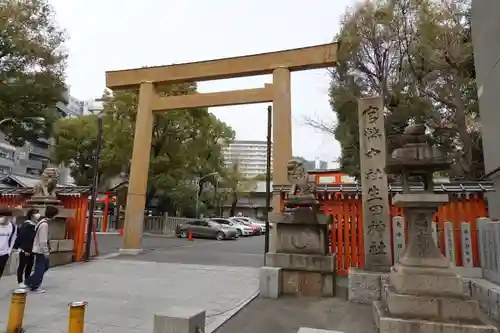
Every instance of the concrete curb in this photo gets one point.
(225, 316)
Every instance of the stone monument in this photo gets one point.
(424, 293)
(302, 252)
(375, 192)
(44, 194)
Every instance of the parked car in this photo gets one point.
(241, 228)
(260, 224)
(256, 228)
(206, 229)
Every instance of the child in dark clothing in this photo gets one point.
(24, 242)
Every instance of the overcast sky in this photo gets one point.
(120, 34)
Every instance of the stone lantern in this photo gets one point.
(424, 293)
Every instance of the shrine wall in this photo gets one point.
(485, 30)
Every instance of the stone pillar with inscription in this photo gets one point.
(375, 193)
(424, 293)
(302, 251)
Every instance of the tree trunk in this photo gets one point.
(234, 202)
(465, 159)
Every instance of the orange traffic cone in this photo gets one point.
(121, 232)
(190, 235)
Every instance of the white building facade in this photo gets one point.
(22, 166)
(251, 157)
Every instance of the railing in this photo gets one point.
(163, 225)
(160, 225)
(454, 229)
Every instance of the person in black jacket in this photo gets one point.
(24, 242)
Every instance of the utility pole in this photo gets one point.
(95, 184)
(268, 178)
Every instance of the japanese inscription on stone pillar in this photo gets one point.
(375, 197)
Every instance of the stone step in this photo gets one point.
(427, 284)
(388, 323)
(431, 307)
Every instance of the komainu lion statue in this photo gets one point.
(47, 185)
(299, 178)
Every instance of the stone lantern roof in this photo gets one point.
(417, 158)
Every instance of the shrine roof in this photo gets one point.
(64, 191)
(453, 187)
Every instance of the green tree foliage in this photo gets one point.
(418, 56)
(32, 65)
(234, 185)
(186, 145)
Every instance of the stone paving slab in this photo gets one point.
(123, 295)
(288, 314)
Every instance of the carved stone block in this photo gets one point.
(364, 287)
(302, 239)
(302, 283)
(302, 262)
(65, 245)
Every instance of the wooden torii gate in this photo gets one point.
(148, 80)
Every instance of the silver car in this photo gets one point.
(261, 224)
(206, 229)
(241, 229)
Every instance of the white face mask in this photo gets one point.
(36, 217)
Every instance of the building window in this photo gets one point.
(6, 154)
(348, 179)
(33, 172)
(326, 179)
(5, 170)
(41, 145)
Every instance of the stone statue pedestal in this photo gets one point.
(424, 293)
(61, 251)
(302, 250)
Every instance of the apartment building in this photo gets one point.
(22, 166)
(251, 157)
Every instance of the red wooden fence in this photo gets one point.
(347, 233)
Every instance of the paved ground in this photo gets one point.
(247, 252)
(287, 315)
(125, 292)
(110, 243)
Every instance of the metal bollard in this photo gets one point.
(16, 314)
(76, 317)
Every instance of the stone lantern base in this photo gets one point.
(424, 293)
(427, 303)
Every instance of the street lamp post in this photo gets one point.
(95, 184)
(217, 198)
(198, 190)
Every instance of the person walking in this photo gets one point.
(41, 250)
(8, 235)
(24, 243)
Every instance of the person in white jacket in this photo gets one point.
(8, 235)
(41, 249)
